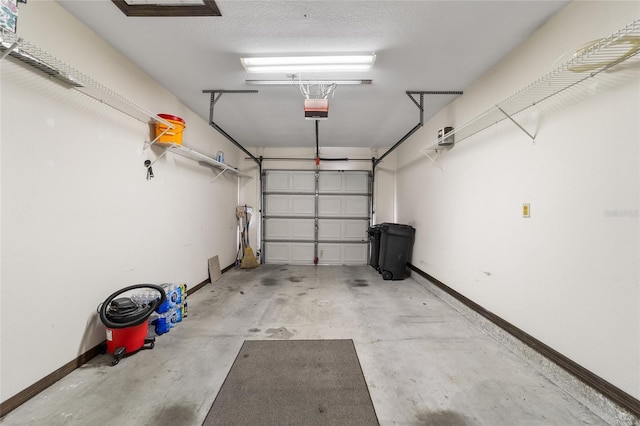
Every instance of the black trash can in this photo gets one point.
(396, 243)
(374, 245)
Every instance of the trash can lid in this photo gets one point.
(398, 229)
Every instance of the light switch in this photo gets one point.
(526, 210)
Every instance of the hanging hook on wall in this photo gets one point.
(147, 164)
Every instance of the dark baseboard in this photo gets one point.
(233, 265)
(197, 287)
(28, 393)
(596, 382)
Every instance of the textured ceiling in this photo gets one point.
(420, 45)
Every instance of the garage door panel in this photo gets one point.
(277, 252)
(276, 181)
(356, 182)
(289, 253)
(355, 230)
(289, 205)
(352, 182)
(303, 205)
(330, 182)
(289, 229)
(342, 230)
(329, 205)
(343, 206)
(290, 181)
(329, 229)
(302, 254)
(329, 254)
(303, 181)
(302, 229)
(355, 254)
(277, 229)
(342, 254)
(275, 205)
(356, 206)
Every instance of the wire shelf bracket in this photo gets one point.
(587, 62)
(202, 159)
(10, 49)
(420, 104)
(432, 154)
(533, 138)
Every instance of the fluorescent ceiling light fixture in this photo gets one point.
(310, 82)
(295, 64)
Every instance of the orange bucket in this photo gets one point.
(164, 134)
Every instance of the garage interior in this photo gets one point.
(504, 133)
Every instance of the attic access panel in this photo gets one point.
(157, 8)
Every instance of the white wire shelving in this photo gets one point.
(587, 62)
(202, 159)
(28, 53)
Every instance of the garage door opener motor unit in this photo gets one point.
(127, 321)
(316, 109)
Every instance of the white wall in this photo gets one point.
(385, 188)
(79, 219)
(569, 274)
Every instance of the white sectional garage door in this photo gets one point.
(316, 215)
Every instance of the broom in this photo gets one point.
(248, 259)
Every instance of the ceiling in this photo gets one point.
(419, 46)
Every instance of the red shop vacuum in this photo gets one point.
(127, 321)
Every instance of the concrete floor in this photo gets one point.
(425, 364)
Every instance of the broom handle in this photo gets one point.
(247, 222)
